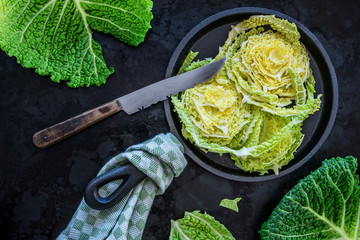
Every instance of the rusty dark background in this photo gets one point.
(41, 189)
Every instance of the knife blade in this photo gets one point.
(159, 91)
(130, 103)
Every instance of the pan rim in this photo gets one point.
(334, 93)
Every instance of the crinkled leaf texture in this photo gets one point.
(196, 226)
(55, 37)
(323, 205)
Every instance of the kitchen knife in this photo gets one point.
(130, 103)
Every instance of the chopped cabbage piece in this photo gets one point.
(230, 204)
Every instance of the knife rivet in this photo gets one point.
(45, 137)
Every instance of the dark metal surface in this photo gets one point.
(41, 189)
(206, 38)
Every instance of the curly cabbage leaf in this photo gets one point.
(253, 108)
(55, 36)
(196, 226)
(323, 205)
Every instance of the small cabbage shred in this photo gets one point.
(254, 107)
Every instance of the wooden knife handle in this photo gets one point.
(60, 131)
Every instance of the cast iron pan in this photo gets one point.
(206, 38)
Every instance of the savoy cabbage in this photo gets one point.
(254, 107)
(55, 36)
(323, 205)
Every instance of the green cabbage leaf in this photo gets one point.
(55, 36)
(323, 205)
(254, 107)
(196, 226)
(230, 203)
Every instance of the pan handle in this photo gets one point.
(131, 177)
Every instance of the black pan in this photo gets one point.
(206, 38)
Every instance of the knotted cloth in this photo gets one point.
(161, 159)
